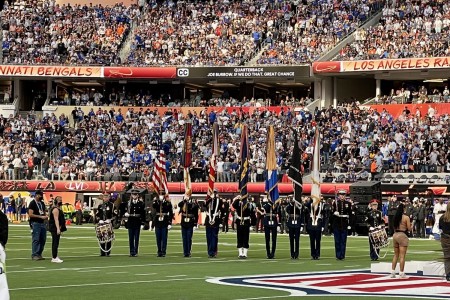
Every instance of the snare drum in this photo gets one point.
(378, 237)
(105, 233)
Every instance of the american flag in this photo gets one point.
(159, 177)
(213, 161)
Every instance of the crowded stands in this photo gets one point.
(121, 144)
(203, 33)
(314, 28)
(219, 32)
(49, 33)
(408, 29)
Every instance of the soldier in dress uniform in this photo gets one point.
(189, 215)
(214, 211)
(314, 225)
(163, 222)
(134, 213)
(295, 221)
(270, 222)
(342, 210)
(105, 214)
(374, 219)
(244, 211)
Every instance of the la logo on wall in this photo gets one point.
(348, 283)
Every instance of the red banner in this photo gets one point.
(174, 187)
(134, 72)
(51, 71)
(327, 67)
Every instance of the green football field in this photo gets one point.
(85, 275)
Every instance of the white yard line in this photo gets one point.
(148, 274)
(174, 276)
(105, 283)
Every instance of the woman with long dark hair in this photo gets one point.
(444, 225)
(56, 226)
(402, 225)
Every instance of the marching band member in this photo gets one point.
(342, 210)
(135, 216)
(212, 221)
(163, 222)
(295, 217)
(244, 210)
(189, 216)
(374, 219)
(314, 225)
(105, 214)
(270, 222)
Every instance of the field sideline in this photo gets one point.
(85, 275)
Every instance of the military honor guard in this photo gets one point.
(162, 222)
(295, 219)
(374, 220)
(189, 216)
(214, 207)
(342, 210)
(244, 210)
(270, 222)
(314, 224)
(105, 214)
(134, 218)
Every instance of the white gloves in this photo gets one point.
(101, 222)
(301, 228)
(278, 229)
(251, 228)
(169, 227)
(107, 221)
(336, 213)
(195, 228)
(349, 227)
(127, 215)
(371, 228)
(322, 229)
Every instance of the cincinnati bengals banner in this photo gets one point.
(51, 71)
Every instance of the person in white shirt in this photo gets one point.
(438, 211)
(220, 170)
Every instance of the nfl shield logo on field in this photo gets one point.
(348, 283)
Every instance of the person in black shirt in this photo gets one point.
(38, 217)
(3, 229)
(4, 292)
(444, 225)
(56, 226)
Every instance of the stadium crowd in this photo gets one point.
(410, 28)
(203, 33)
(314, 28)
(44, 32)
(219, 32)
(120, 144)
